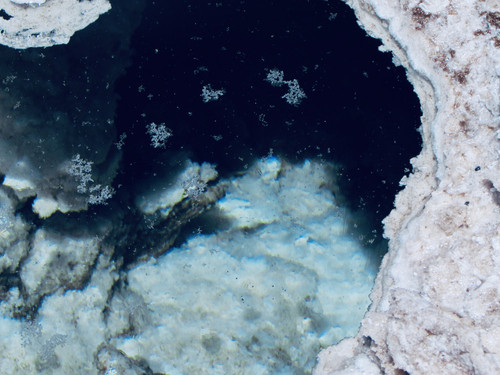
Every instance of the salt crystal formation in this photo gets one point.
(42, 23)
(436, 300)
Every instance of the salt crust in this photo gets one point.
(14, 243)
(42, 23)
(46, 267)
(169, 190)
(436, 306)
(75, 315)
(258, 296)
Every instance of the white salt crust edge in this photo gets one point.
(435, 303)
(37, 23)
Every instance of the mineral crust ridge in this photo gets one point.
(436, 300)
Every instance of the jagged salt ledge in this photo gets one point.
(436, 300)
(42, 23)
(258, 295)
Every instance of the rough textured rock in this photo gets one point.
(42, 23)
(436, 300)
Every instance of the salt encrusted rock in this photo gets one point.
(42, 23)
(173, 188)
(14, 243)
(112, 361)
(280, 278)
(56, 261)
(30, 2)
(67, 332)
(436, 299)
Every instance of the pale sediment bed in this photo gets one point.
(436, 300)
